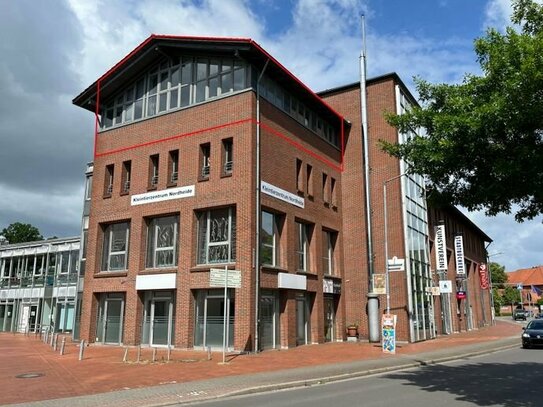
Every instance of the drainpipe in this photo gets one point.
(258, 217)
(373, 299)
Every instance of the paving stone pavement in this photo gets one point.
(103, 378)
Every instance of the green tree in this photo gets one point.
(481, 141)
(497, 300)
(21, 232)
(497, 272)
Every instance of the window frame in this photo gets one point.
(107, 251)
(274, 246)
(303, 246)
(153, 236)
(230, 242)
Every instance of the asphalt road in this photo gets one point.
(507, 379)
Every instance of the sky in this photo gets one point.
(52, 50)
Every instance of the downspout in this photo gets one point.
(364, 115)
(258, 212)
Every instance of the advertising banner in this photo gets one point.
(388, 325)
(459, 255)
(441, 248)
(484, 277)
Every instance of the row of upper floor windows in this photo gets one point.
(153, 173)
(175, 84)
(216, 242)
(185, 81)
(65, 262)
(285, 101)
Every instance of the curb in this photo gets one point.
(347, 376)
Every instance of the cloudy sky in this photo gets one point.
(52, 50)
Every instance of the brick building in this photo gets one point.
(205, 150)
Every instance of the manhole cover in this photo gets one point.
(29, 375)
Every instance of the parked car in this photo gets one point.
(520, 314)
(533, 334)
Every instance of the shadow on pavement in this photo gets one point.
(483, 384)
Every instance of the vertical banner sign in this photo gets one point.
(388, 325)
(441, 249)
(483, 277)
(459, 256)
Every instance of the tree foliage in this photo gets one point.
(480, 142)
(21, 232)
(497, 272)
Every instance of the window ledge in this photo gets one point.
(171, 184)
(203, 179)
(226, 174)
(151, 188)
(107, 274)
(106, 196)
(306, 273)
(164, 270)
(124, 193)
(207, 267)
(332, 276)
(273, 269)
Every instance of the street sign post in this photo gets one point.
(227, 279)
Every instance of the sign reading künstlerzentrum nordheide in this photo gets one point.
(281, 194)
(164, 195)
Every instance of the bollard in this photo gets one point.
(169, 353)
(46, 335)
(139, 354)
(125, 357)
(81, 348)
(154, 355)
(62, 345)
(209, 353)
(55, 343)
(51, 339)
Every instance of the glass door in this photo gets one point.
(210, 319)
(329, 319)
(301, 321)
(268, 322)
(161, 322)
(110, 320)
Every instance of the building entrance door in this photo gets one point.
(302, 326)
(329, 319)
(268, 322)
(158, 319)
(110, 320)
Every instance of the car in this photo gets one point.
(520, 314)
(533, 334)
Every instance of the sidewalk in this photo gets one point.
(102, 378)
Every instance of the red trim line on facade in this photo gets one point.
(192, 133)
(224, 125)
(224, 39)
(300, 147)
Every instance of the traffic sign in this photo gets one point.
(396, 264)
(217, 277)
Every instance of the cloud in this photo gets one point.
(497, 14)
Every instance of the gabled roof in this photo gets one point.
(158, 46)
(529, 276)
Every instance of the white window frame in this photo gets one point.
(275, 239)
(109, 252)
(206, 217)
(302, 246)
(328, 253)
(152, 238)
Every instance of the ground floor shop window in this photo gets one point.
(158, 318)
(269, 320)
(109, 327)
(210, 309)
(303, 312)
(329, 318)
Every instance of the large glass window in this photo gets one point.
(328, 248)
(269, 235)
(162, 240)
(303, 238)
(175, 83)
(217, 236)
(115, 250)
